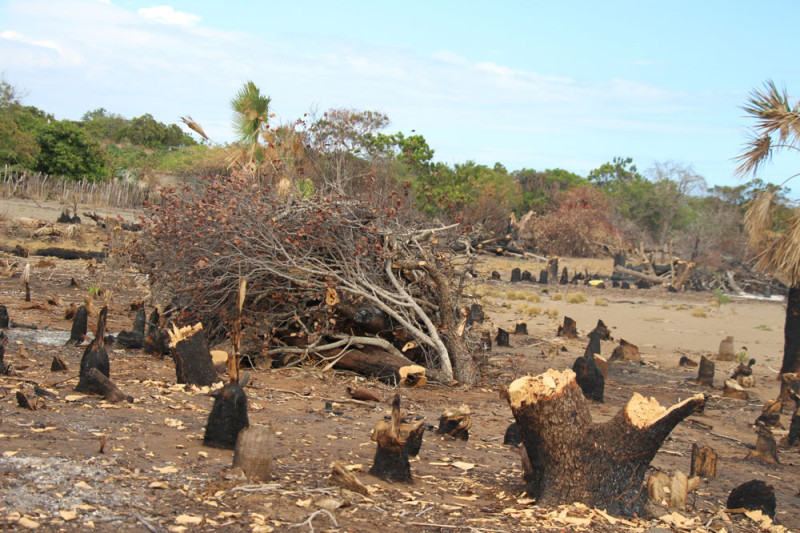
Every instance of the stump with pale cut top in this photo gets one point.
(576, 460)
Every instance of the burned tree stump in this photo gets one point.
(589, 376)
(564, 277)
(626, 352)
(543, 277)
(79, 326)
(527, 276)
(228, 417)
(755, 495)
(253, 452)
(704, 462)
(134, 339)
(790, 383)
(766, 450)
(569, 329)
(455, 423)
(193, 362)
(4, 318)
(552, 269)
(602, 365)
(98, 383)
(671, 490)
(685, 361)
(575, 460)
(95, 357)
(792, 439)
(502, 338)
(475, 315)
(771, 414)
(495, 275)
(521, 328)
(155, 342)
(4, 368)
(731, 389)
(516, 275)
(393, 438)
(512, 437)
(57, 365)
(705, 373)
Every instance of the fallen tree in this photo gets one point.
(575, 460)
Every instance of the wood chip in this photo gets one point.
(188, 520)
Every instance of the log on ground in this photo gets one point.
(575, 460)
(134, 339)
(373, 362)
(98, 383)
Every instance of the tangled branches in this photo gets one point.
(310, 260)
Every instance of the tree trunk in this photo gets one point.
(705, 374)
(791, 332)
(373, 362)
(575, 460)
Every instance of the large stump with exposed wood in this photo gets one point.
(193, 362)
(95, 357)
(396, 441)
(575, 460)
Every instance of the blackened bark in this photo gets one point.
(791, 332)
(79, 326)
(228, 417)
(95, 357)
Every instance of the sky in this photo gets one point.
(528, 84)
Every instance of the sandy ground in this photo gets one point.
(155, 475)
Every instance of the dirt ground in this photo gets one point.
(154, 474)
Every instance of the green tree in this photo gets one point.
(147, 131)
(777, 127)
(540, 188)
(66, 150)
(18, 123)
(674, 183)
(618, 171)
(250, 122)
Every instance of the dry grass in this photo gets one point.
(557, 297)
(599, 302)
(666, 306)
(534, 298)
(529, 310)
(576, 298)
(552, 312)
(698, 312)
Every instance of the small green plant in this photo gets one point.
(719, 299)
(577, 298)
(741, 355)
(599, 302)
(94, 290)
(763, 327)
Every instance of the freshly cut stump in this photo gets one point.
(704, 462)
(575, 460)
(253, 453)
(455, 423)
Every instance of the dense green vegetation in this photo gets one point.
(350, 149)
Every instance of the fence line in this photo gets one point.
(109, 193)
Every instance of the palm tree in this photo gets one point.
(251, 121)
(777, 128)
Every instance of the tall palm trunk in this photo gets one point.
(791, 332)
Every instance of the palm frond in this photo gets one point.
(194, 126)
(759, 217)
(757, 152)
(251, 113)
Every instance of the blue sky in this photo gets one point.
(527, 84)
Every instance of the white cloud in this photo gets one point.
(66, 56)
(168, 15)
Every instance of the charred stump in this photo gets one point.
(341, 477)
(552, 269)
(155, 342)
(790, 383)
(564, 277)
(766, 450)
(755, 495)
(569, 329)
(476, 315)
(455, 423)
(732, 389)
(771, 414)
(58, 364)
(512, 437)
(575, 460)
(95, 357)
(24, 402)
(685, 361)
(495, 275)
(393, 439)
(228, 417)
(704, 462)
(516, 275)
(527, 276)
(521, 328)
(134, 339)
(626, 352)
(4, 319)
(726, 352)
(502, 338)
(543, 277)
(705, 373)
(588, 375)
(193, 362)
(79, 326)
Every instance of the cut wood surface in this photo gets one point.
(576, 460)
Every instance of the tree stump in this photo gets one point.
(732, 389)
(476, 315)
(412, 376)
(671, 490)
(57, 365)
(766, 450)
(393, 440)
(516, 275)
(543, 277)
(134, 339)
(340, 477)
(228, 417)
(704, 462)
(564, 277)
(455, 423)
(552, 269)
(726, 350)
(155, 341)
(4, 318)
(79, 326)
(521, 328)
(512, 437)
(792, 439)
(588, 376)
(771, 414)
(755, 495)
(569, 329)
(575, 460)
(790, 382)
(193, 362)
(98, 383)
(495, 275)
(4, 368)
(602, 364)
(502, 338)
(705, 373)
(688, 363)
(626, 352)
(95, 357)
(253, 452)
(526, 276)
